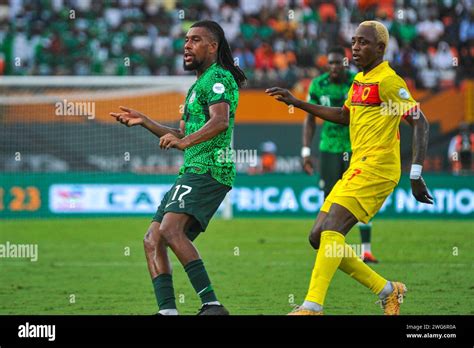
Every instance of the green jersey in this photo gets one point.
(215, 85)
(334, 137)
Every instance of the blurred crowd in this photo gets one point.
(274, 41)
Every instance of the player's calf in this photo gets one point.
(316, 230)
(314, 238)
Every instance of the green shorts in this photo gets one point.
(197, 195)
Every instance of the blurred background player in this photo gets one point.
(330, 89)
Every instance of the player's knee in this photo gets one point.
(314, 237)
(148, 241)
(169, 234)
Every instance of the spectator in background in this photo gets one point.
(466, 29)
(443, 61)
(443, 58)
(264, 57)
(461, 150)
(429, 77)
(244, 58)
(268, 158)
(405, 29)
(392, 49)
(431, 29)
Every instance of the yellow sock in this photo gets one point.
(357, 269)
(329, 257)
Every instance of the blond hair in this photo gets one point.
(381, 32)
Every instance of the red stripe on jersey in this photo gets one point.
(411, 112)
(365, 94)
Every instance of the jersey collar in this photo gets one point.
(209, 68)
(376, 70)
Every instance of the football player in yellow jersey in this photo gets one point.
(377, 100)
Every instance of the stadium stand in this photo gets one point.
(275, 41)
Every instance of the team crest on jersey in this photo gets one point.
(193, 96)
(218, 88)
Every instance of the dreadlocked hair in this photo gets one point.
(224, 53)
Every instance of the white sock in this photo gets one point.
(366, 247)
(312, 306)
(168, 312)
(212, 303)
(387, 290)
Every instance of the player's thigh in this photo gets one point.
(363, 192)
(174, 225)
(339, 219)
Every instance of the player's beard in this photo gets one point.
(194, 65)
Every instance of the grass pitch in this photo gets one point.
(257, 266)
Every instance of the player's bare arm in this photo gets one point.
(130, 118)
(336, 115)
(218, 123)
(420, 143)
(309, 128)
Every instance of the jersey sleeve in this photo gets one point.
(220, 90)
(347, 103)
(394, 92)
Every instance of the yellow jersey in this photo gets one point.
(377, 101)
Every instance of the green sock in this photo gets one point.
(200, 280)
(365, 232)
(164, 292)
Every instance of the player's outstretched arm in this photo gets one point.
(218, 123)
(420, 144)
(130, 118)
(336, 115)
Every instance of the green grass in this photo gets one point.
(255, 265)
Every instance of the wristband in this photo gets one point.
(415, 172)
(305, 151)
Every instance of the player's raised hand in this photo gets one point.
(168, 141)
(282, 95)
(129, 117)
(420, 191)
(308, 165)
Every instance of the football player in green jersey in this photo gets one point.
(330, 89)
(204, 134)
